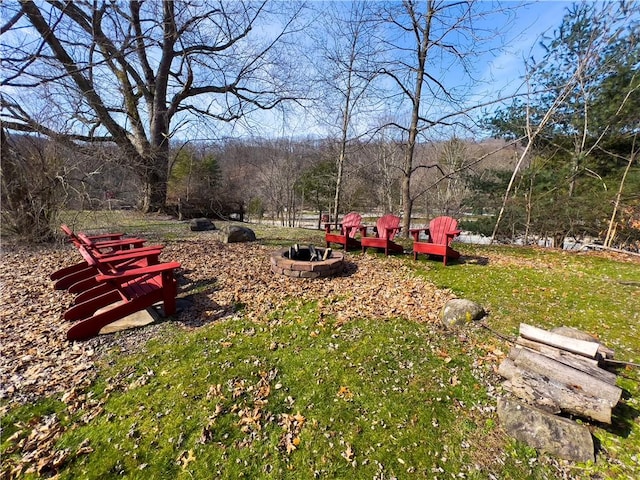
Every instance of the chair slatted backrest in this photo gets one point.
(351, 224)
(439, 227)
(388, 226)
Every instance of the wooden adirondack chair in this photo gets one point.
(105, 237)
(387, 227)
(349, 228)
(127, 292)
(126, 260)
(440, 235)
(108, 243)
(86, 271)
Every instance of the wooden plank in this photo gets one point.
(135, 320)
(536, 363)
(554, 352)
(551, 395)
(584, 364)
(581, 347)
(603, 350)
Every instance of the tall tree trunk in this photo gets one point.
(155, 182)
(340, 164)
(424, 38)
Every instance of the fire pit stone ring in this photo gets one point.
(283, 265)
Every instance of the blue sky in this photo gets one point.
(532, 21)
(500, 73)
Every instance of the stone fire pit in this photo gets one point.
(301, 265)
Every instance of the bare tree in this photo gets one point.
(133, 73)
(611, 229)
(32, 186)
(346, 70)
(425, 40)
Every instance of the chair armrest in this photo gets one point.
(88, 241)
(127, 251)
(138, 272)
(415, 233)
(117, 244)
(118, 256)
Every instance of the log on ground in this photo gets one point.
(536, 363)
(586, 365)
(551, 395)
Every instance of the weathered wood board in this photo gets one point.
(573, 345)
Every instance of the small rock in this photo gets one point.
(236, 234)
(459, 311)
(201, 225)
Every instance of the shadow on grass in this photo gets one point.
(472, 260)
(196, 308)
(623, 418)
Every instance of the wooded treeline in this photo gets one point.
(199, 107)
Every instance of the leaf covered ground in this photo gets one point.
(264, 376)
(216, 278)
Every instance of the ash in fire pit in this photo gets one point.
(309, 254)
(307, 262)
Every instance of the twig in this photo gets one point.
(498, 334)
(620, 362)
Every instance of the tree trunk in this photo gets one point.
(339, 173)
(154, 180)
(155, 190)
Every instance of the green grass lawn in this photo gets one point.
(299, 395)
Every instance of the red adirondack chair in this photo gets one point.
(86, 271)
(440, 235)
(387, 227)
(128, 291)
(108, 243)
(134, 290)
(88, 285)
(105, 237)
(349, 228)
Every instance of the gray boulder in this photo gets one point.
(459, 311)
(549, 433)
(201, 225)
(235, 234)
